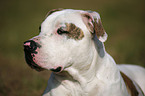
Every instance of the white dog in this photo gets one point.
(70, 44)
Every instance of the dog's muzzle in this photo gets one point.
(30, 48)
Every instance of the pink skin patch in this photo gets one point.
(27, 44)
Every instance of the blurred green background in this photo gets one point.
(123, 20)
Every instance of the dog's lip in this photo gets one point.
(62, 68)
(57, 70)
(31, 63)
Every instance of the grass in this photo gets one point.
(123, 21)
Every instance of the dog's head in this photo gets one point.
(65, 39)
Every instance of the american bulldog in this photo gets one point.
(70, 44)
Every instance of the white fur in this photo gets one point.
(136, 73)
(88, 70)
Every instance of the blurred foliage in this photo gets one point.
(123, 20)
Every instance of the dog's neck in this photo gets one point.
(100, 74)
(102, 66)
(102, 69)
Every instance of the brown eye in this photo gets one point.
(61, 31)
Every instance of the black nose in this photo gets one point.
(31, 46)
(58, 69)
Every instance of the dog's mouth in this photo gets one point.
(31, 49)
(31, 63)
(29, 56)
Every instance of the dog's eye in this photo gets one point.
(61, 31)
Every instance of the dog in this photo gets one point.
(71, 45)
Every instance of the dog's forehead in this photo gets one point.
(67, 13)
(59, 18)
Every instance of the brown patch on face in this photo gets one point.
(98, 27)
(53, 10)
(130, 86)
(74, 32)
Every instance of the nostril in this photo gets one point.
(26, 45)
(58, 69)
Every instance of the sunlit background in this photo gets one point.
(123, 20)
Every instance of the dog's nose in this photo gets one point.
(31, 46)
(58, 69)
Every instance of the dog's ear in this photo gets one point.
(53, 10)
(93, 22)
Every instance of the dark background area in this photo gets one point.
(123, 20)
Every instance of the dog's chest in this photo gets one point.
(73, 88)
